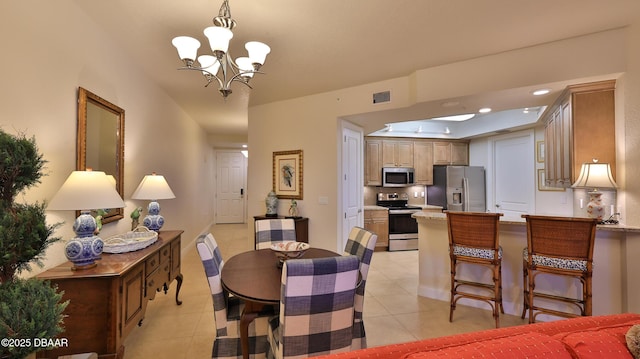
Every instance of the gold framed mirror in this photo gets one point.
(101, 142)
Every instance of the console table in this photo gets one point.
(106, 302)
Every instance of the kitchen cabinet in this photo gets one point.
(373, 162)
(397, 153)
(421, 154)
(579, 127)
(451, 153)
(423, 162)
(377, 221)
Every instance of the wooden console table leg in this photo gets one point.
(179, 279)
(250, 312)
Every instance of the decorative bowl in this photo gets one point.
(141, 237)
(289, 250)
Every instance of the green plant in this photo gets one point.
(29, 308)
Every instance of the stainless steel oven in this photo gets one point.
(403, 229)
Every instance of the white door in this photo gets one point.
(352, 182)
(514, 175)
(230, 185)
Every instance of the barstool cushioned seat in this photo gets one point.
(561, 263)
(476, 252)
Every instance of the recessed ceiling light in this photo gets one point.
(455, 117)
(541, 92)
(485, 110)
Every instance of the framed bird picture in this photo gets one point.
(287, 174)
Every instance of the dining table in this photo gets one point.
(255, 276)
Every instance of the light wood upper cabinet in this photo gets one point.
(421, 154)
(579, 127)
(451, 153)
(373, 162)
(397, 153)
(423, 162)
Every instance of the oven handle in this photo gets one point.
(403, 211)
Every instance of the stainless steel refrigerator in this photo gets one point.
(458, 188)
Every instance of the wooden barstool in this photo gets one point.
(473, 238)
(561, 246)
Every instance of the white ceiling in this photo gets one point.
(319, 46)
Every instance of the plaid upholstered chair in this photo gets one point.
(227, 309)
(274, 230)
(361, 243)
(316, 307)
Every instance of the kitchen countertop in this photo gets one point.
(522, 221)
(375, 208)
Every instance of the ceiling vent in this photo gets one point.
(381, 97)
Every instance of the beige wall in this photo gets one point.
(46, 56)
(311, 123)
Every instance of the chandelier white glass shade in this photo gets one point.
(84, 191)
(594, 176)
(153, 187)
(220, 66)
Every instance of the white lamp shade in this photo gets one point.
(187, 47)
(209, 63)
(257, 51)
(85, 190)
(112, 180)
(595, 175)
(244, 63)
(219, 38)
(153, 187)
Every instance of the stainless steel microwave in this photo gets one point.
(397, 177)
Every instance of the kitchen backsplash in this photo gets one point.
(409, 193)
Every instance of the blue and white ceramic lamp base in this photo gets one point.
(154, 221)
(84, 249)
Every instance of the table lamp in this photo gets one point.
(594, 176)
(153, 187)
(85, 191)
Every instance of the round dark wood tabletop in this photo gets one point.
(256, 276)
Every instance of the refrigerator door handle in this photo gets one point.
(465, 194)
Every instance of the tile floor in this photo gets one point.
(394, 313)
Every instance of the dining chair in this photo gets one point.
(227, 309)
(361, 243)
(269, 231)
(316, 307)
(474, 240)
(559, 246)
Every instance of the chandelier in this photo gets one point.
(221, 66)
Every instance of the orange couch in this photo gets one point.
(584, 337)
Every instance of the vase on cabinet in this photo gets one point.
(272, 204)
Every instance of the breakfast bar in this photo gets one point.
(614, 287)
